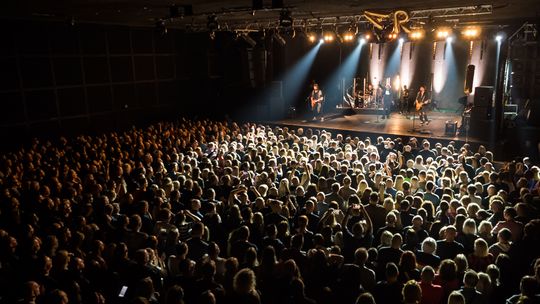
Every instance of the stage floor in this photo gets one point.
(397, 125)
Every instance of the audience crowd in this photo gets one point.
(214, 212)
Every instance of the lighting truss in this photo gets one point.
(528, 32)
(451, 12)
(309, 20)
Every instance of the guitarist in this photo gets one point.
(422, 99)
(316, 99)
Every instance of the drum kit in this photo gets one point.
(359, 97)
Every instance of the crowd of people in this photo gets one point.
(201, 211)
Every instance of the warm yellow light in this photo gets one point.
(417, 34)
(312, 37)
(348, 37)
(328, 37)
(471, 32)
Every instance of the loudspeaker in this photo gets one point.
(483, 96)
(469, 77)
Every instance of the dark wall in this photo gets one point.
(58, 78)
(63, 79)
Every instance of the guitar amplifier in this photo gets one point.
(450, 128)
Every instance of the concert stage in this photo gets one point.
(398, 125)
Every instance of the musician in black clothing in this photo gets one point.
(316, 100)
(422, 99)
(387, 99)
(404, 100)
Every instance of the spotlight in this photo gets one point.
(348, 36)
(321, 40)
(329, 37)
(416, 35)
(499, 37)
(401, 40)
(367, 36)
(392, 36)
(471, 32)
(362, 40)
(312, 37)
(449, 39)
(442, 33)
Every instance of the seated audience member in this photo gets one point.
(389, 290)
(427, 256)
(431, 293)
(412, 293)
(469, 291)
(449, 248)
(515, 227)
(503, 244)
(528, 292)
(480, 258)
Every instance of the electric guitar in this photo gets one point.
(418, 104)
(315, 101)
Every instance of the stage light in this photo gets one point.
(449, 39)
(367, 37)
(416, 35)
(442, 33)
(328, 37)
(401, 40)
(321, 41)
(362, 40)
(471, 32)
(312, 37)
(499, 38)
(348, 36)
(392, 36)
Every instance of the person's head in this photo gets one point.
(480, 248)
(360, 256)
(428, 274)
(315, 86)
(429, 245)
(422, 88)
(412, 293)
(175, 295)
(407, 261)
(397, 240)
(470, 279)
(456, 297)
(528, 286)
(365, 298)
(448, 270)
(484, 283)
(391, 272)
(450, 233)
(469, 226)
(244, 281)
(504, 236)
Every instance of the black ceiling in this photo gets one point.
(146, 12)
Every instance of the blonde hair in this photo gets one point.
(480, 248)
(469, 226)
